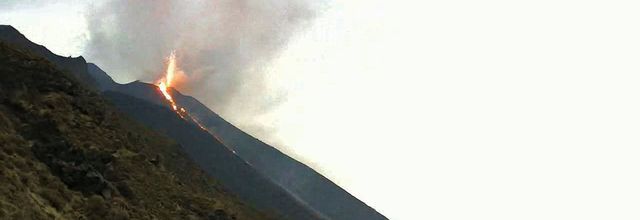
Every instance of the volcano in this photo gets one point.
(67, 153)
(249, 168)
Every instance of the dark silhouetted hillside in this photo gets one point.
(66, 153)
(309, 186)
(314, 190)
(76, 66)
(231, 172)
(302, 182)
(216, 159)
(257, 172)
(101, 78)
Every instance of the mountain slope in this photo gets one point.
(231, 171)
(304, 186)
(66, 153)
(313, 188)
(102, 80)
(215, 158)
(308, 186)
(75, 66)
(304, 183)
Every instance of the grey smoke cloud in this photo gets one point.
(221, 45)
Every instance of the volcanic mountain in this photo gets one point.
(254, 171)
(67, 153)
(305, 184)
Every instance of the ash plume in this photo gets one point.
(221, 45)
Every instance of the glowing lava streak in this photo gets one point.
(165, 82)
(163, 86)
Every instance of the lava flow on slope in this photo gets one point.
(165, 83)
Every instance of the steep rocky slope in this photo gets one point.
(66, 153)
(233, 173)
(214, 158)
(76, 66)
(281, 184)
(308, 187)
(317, 192)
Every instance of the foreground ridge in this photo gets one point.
(68, 154)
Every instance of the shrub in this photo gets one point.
(54, 198)
(118, 213)
(96, 207)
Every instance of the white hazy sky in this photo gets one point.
(453, 109)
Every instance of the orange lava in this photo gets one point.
(165, 83)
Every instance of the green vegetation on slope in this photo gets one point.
(65, 153)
